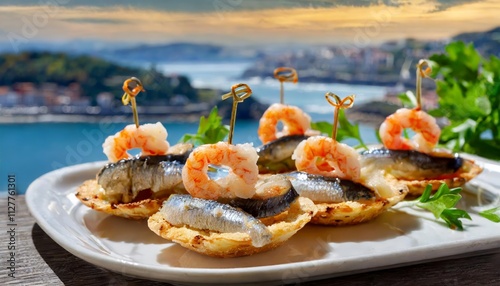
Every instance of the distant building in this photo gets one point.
(49, 92)
(63, 100)
(29, 94)
(74, 92)
(179, 100)
(105, 100)
(8, 98)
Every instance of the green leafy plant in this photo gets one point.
(210, 130)
(468, 88)
(346, 130)
(408, 99)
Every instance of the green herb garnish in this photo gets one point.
(346, 130)
(210, 130)
(441, 204)
(491, 214)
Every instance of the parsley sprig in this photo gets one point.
(442, 205)
(210, 130)
(491, 214)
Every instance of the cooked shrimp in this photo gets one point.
(423, 124)
(295, 122)
(324, 156)
(150, 138)
(242, 177)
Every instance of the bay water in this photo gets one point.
(30, 150)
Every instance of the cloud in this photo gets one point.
(446, 4)
(210, 6)
(95, 21)
(369, 24)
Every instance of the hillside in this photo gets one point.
(487, 43)
(76, 87)
(93, 75)
(181, 52)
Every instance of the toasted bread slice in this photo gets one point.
(212, 243)
(353, 212)
(467, 172)
(88, 194)
(388, 192)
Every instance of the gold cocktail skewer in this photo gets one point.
(423, 70)
(347, 102)
(239, 92)
(132, 87)
(285, 74)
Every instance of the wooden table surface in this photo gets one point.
(41, 261)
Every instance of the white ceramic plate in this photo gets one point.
(398, 237)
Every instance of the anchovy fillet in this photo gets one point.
(267, 207)
(208, 214)
(322, 189)
(276, 156)
(411, 164)
(124, 180)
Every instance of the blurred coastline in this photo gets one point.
(64, 86)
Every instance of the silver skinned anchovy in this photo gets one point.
(411, 164)
(158, 175)
(322, 189)
(260, 208)
(276, 156)
(199, 213)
